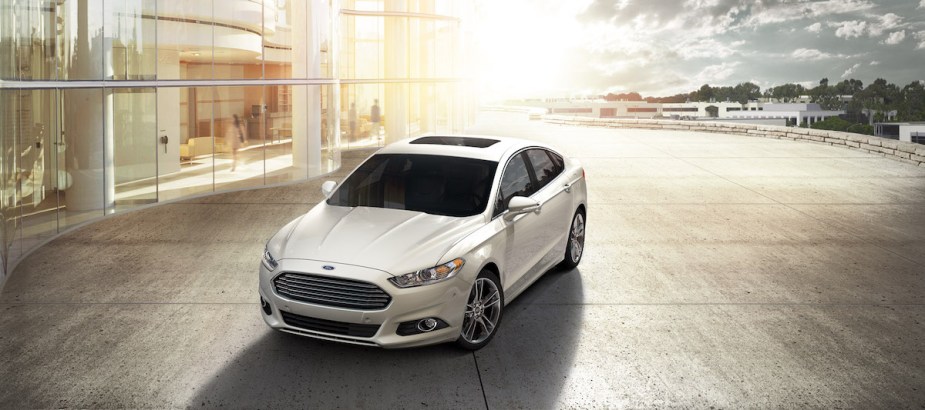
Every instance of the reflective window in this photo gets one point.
(27, 40)
(81, 39)
(544, 169)
(129, 25)
(184, 39)
(514, 182)
(432, 184)
(135, 147)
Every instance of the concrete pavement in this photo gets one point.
(720, 270)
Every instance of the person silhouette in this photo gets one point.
(375, 118)
(234, 138)
(352, 118)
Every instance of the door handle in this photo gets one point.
(568, 185)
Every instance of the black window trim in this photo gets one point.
(530, 171)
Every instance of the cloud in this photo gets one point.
(715, 16)
(849, 29)
(875, 62)
(704, 48)
(920, 36)
(887, 22)
(783, 11)
(922, 4)
(816, 27)
(895, 37)
(812, 54)
(850, 70)
(809, 54)
(717, 73)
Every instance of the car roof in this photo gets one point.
(471, 146)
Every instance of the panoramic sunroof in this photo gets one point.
(459, 141)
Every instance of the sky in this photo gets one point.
(542, 48)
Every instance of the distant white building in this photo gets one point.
(903, 131)
(795, 114)
(751, 112)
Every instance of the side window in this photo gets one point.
(560, 163)
(544, 167)
(514, 182)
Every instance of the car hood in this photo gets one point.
(392, 240)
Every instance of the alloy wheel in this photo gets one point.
(483, 310)
(577, 237)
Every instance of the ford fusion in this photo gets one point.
(426, 242)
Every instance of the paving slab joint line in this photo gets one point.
(481, 385)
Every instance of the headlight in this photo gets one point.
(269, 261)
(429, 276)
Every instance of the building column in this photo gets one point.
(310, 67)
(306, 146)
(88, 128)
(395, 109)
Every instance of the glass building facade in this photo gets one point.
(109, 105)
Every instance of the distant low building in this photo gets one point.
(794, 113)
(751, 112)
(903, 131)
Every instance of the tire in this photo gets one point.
(575, 247)
(484, 309)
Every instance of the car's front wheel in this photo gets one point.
(576, 241)
(484, 308)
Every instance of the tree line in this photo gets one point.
(878, 101)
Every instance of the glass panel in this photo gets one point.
(330, 131)
(365, 45)
(321, 21)
(284, 57)
(81, 39)
(283, 127)
(363, 97)
(415, 123)
(135, 147)
(445, 48)
(38, 151)
(9, 168)
(241, 131)
(239, 38)
(82, 186)
(394, 121)
(184, 116)
(27, 38)
(132, 30)
(184, 39)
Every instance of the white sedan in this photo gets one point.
(426, 242)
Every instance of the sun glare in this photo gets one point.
(523, 46)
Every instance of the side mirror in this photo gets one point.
(521, 205)
(327, 188)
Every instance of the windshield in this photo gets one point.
(433, 184)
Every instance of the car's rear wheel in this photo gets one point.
(484, 309)
(576, 241)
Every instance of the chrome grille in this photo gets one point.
(328, 291)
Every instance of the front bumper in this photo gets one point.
(445, 300)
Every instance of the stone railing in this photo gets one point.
(899, 150)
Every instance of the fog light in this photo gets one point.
(427, 325)
(419, 326)
(265, 306)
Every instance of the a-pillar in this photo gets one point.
(395, 109)
(87, 126)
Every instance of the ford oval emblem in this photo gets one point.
(327, 267)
